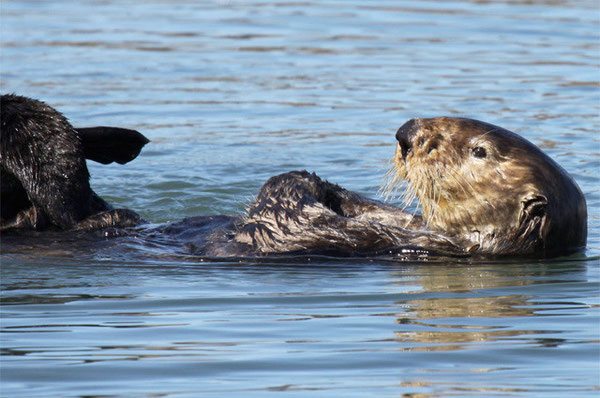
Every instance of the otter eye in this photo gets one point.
(479, 152)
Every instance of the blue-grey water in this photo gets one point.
(232, 92)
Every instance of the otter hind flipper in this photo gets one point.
(43, 173)
(111, 144)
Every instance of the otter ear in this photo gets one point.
(533, 206)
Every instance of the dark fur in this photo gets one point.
(111, 144)
(533, 207)
(297, 212)
(45, 184)
(44, 176)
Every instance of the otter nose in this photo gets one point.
(405, 134)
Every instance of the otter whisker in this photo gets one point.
(409, 198)
(388, 181)
(396, 182)
(392, 185)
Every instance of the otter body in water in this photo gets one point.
(483, 190)
(44, 177)
(299, 213)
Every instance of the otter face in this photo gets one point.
(490, 186)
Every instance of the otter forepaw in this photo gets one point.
(32, 218)
(120, 218)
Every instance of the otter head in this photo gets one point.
(485, 184)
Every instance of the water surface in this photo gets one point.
(233, 92)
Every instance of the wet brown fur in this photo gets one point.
(513, 200)
(483, 190)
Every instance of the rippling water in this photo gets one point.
(232, 92)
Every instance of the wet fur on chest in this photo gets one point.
(299, 213)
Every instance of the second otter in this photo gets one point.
(45, 180)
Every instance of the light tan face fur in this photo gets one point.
(468, 176)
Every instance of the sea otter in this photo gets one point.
(490, 188)
(43, 175)
(483, 191)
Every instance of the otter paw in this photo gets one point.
(119, 218)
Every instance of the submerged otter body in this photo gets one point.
(483, 190)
